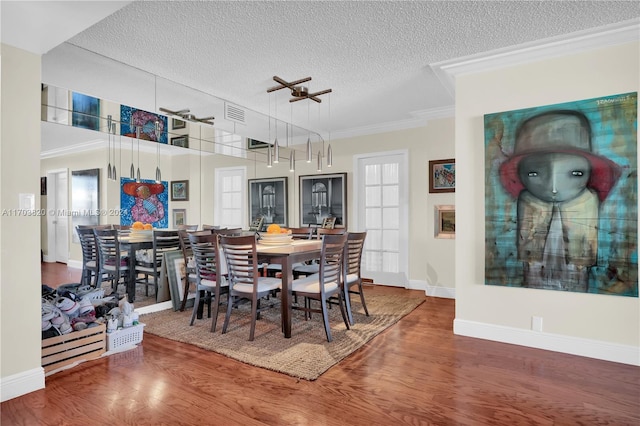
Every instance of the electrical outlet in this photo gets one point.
(536, 323)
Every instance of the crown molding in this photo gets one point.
(577, 42)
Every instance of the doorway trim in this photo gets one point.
(51, 213)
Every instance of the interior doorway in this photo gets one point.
(382, 209)
(58, 216)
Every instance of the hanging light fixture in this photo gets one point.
(319, 161)
(329, 152)
(109, 175)
(158, 132)
(292, 161)
(114, 173)
(138, 138)
(269, 159)
(132, 170)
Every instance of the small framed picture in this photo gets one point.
(253, 144)
(442, 175)
(176, 123)
(180, 190)
(181, 141)
(179, 217)
(445, 222)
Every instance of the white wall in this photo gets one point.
(20, 291)
(600, 326)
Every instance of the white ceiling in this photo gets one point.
(377, 56)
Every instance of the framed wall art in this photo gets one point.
(268, 199)
(323, 196)
(179, 190)
(442, 175)
(181, 141)
(130, 118)
(179, 217)
(176, 123)
(253, 144)
(445, 222)
(145, 201)
(85, 111)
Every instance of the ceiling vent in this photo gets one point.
(234, 113)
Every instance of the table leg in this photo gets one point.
(287, 278)
(131, 282)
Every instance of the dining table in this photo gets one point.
(131, 244)
(287, 255)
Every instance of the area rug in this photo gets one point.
(307, 354)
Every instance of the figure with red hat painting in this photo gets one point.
(561, 210)
(147, 207)
(559, 184)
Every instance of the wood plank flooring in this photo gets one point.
(416, 373)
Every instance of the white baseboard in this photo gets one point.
(433, 291)
(21, 384)
(74, 264)
(155, 308)
(606, 351)
(48, 259)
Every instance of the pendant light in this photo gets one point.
(269, 159)
(329, 152)
(114, 173)
(319, 161)
(276, 146)
(132, 170)
(109, 174)
(158, 133)
(292, 161)
(138, 138)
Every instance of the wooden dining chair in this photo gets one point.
(245, 281)
(163, 241)
(328, 223)
(210, 285)
(312, 267)
(187, 254)
(353, 262)
(113, 265)
(187, 227)
(90, 260)
(327, 284)
(256, 225)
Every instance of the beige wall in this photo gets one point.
(20, 291)
(585, 323)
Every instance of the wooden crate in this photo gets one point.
(77, 346)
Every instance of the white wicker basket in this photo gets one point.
(124, 337)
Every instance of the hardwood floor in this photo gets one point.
(417, 372)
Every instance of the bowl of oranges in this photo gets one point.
(139, 229)
(275, 235)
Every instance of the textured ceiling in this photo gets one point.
(374, 55)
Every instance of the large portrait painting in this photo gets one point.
(561, 197)
(145, 201)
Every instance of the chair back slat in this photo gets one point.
(320, 232)
(355, 245)
(305, 233)
(108, 247)
(331, 259)
(241, 258)
(164, 241)
(205, 254)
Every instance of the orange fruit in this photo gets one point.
(274, 228)
(137, 225)
(148, 226)
(283, 230)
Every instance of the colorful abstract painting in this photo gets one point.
(561, 196)
(145, 201)
(132, 117)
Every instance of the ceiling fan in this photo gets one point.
(297, 92)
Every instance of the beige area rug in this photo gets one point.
(306, 355)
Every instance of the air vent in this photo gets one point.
(233, 113)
